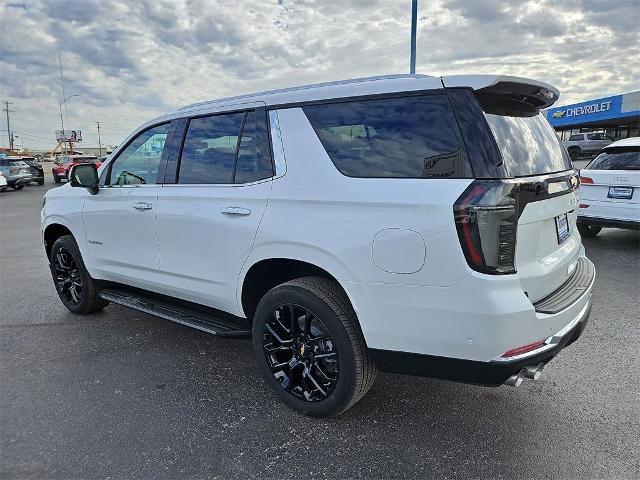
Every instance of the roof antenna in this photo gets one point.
(414, 23)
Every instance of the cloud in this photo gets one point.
(130, 61)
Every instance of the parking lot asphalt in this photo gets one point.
(121, 394)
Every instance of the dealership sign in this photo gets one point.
(68, 135)
(596, 111)
(583, 110)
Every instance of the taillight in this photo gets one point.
(486, 217)
(586, 179)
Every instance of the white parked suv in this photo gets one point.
(609, 189)
(407, 224)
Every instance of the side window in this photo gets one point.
(253, 163)
(575, 137)
(209, 149)
(409, 137)
(223, 149)
(140, 161)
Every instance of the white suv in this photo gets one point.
(407, 224)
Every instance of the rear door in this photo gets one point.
(209, 212)
(522, 154)
(548, 243)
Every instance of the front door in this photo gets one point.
(209, 216)
(120, 222)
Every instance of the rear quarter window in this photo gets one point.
(400, 137)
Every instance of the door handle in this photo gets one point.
(237, 211)
(142, 206)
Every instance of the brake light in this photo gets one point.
(586, 180)
(583, 205)
(486, 217)
(523, 349)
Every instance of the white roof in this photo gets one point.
(364, 86)
(625, 142)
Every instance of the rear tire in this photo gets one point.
(41, 182)
(55, 177)
(588, 230)
(17, 187)
(76, 289)
(309, 347)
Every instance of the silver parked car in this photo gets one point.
(15, 171)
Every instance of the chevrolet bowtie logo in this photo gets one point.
(559, 114)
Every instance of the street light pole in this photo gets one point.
(64, 101)
(414, 24)
(99, 142)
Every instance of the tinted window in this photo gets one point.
(622, 158)
(575, 138)
(209, 149)
(411, 137)
(139, 162)
(593, 136)
(223, 149)
(529, 145)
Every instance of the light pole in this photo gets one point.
(60, 103)
(414, 24)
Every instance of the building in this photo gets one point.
(618, 115)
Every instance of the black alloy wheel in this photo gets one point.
(76, 289)
(301, 353)
(67, 276)
(309, 347)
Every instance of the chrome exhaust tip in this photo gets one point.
(533, 372)
(516, 379)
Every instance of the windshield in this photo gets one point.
(621, 158)
(529, 145)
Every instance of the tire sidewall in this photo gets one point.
(70, 246)
(344, 389)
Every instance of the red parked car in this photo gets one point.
(62, 166)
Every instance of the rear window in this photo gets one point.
(621, 158)
(529, 146)
(407, 137)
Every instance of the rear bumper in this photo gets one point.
(609, 222)
(494, 373)
(20, 180)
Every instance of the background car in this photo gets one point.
(609, 189)
(36, 169)
(16, 172)
(62, 165)
(590, 143)
(3, 182)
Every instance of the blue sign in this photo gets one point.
(607, 108)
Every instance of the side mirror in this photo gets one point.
(85, 175)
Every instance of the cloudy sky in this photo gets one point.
(132, 60)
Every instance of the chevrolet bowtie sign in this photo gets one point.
(583, 110)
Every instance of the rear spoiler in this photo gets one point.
(503, 95)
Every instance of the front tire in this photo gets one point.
(41, 182)
(76, 289)
(55, 177)
(588, 230)
(18, 187)
(309, 347)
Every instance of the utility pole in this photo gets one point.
(414, 24)
(99, 142)
(9, 135)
